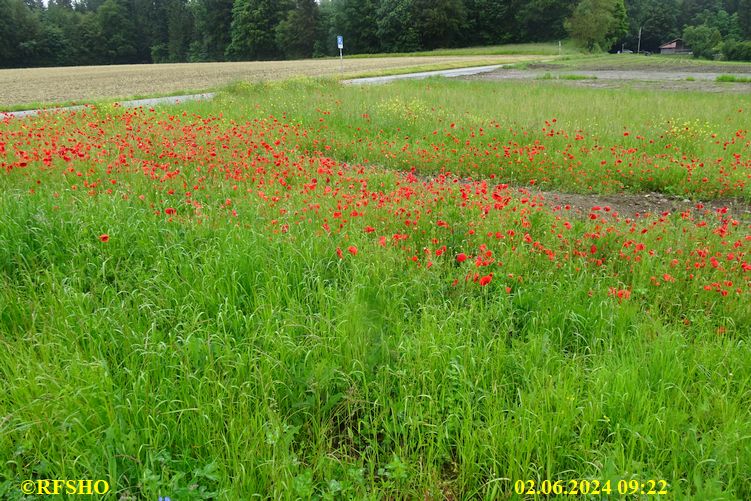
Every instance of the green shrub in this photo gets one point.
(733, 50)
(703, 40)
(733, 78)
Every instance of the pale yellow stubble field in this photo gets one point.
(86, 83)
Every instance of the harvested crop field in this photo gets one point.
(57, 85)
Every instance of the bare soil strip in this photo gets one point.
(603, 74)
(639, 204)
(87, 83)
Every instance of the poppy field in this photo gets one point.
(305, 290)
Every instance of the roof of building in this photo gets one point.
(673, 44)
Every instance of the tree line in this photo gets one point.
(87, 32)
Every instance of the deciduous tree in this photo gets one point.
(597, 24)
(703, 40)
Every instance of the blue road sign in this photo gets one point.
(340, 41)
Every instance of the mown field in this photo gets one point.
(304, 290)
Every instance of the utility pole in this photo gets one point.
(638, 46)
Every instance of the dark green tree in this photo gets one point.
(396, 26)
(213, 22)
(296, 32)
(88, 41)
(727, 24)
(655, 19)
(688, 10)
(54, 47)
(733, 50)
(744, 18)
(171, 31)
(439, 23)
(357, 21)
(597, 24)
(179, 30)
(150, 23)
(703, 40)
(254, 25)
(543, 20)
(89, 5)
(118, 32)
(19, 30)
(489, 22)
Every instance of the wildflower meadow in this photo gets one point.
(305, 290)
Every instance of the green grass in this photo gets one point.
(566, 76)
(733, 78)
(574, 76)
(408, 124)
(544, 49)
(212, 355)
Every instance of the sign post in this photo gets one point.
(340, 44)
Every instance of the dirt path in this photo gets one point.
(704, 79)
(640, 205)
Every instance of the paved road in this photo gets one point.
(461, 72)
(128, 104)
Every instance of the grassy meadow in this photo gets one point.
(305, 290)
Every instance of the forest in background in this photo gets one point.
(90, 32)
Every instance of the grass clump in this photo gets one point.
(575, 76)
(566, 76)
(733, 78)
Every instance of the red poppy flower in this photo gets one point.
(486, 280)
(169, 211)
(104, 237)
(461, 257)
(352, 250)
